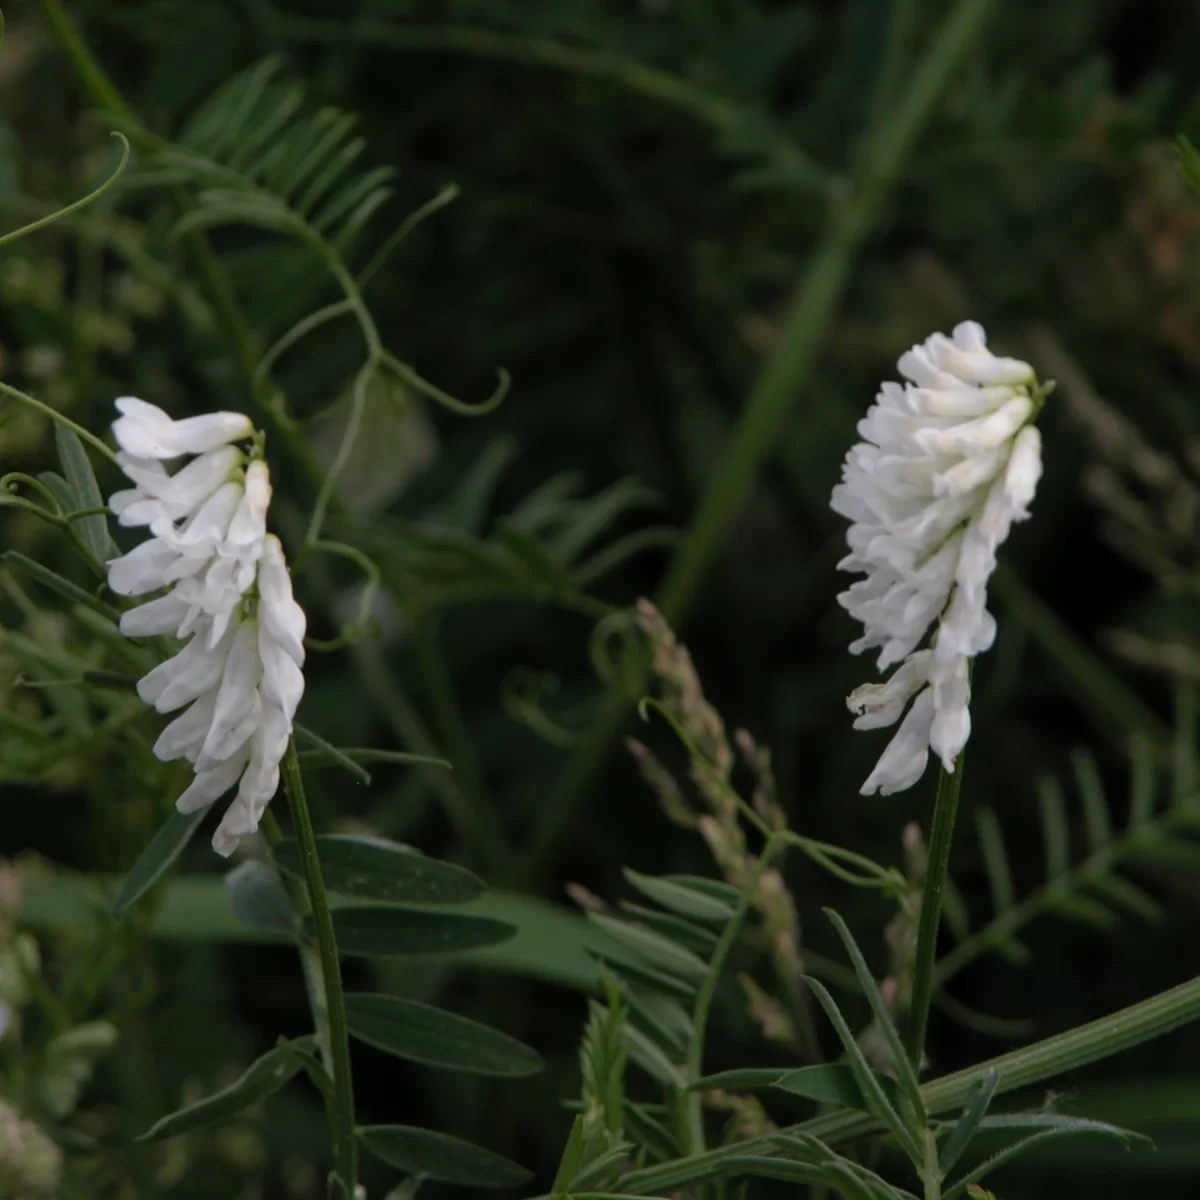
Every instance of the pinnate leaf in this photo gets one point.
(262, 1079)
(165, 847)
(370, 868)
(439, 1156)
(421, 1033)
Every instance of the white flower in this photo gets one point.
(947, 463)
(145, 431)
(225, 586)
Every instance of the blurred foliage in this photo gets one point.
(640, 183)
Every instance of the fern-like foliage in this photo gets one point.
(262, 160)
(1156, 835)
(545, 548)
(252, 154)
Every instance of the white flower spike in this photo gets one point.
(224, 584)
(948, 462)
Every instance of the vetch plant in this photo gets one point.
(256, 218)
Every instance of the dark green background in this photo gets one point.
(631, 269)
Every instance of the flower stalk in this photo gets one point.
(341, 1115)
(944, 813)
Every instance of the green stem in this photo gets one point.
(945, 810)
(778, 387)
(338, 1064)
(57, 417)
(310, 959)
(902, 26)
(99, 86)
(1018, 1069)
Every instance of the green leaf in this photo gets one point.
(743, 1079)
(570, 1158)
(791, 1171)
(995, 860)
(56, 583)
(594, 516)
(976, 1105)
(534, 564)
(666, 1018)
(1061, 1121)
(1080, 908)
(1143, 784)
(650, 1134)
(385, 931)
(60, 489)
(688, 934)
(1096, 817)
(324, 750)
(167, 845)
(351, 758)
(715, 889)
(262, 1079)
(658, 951)
(653, 1059)
(1049, 1125)
(906, 1076)
(828, 1083)
(549, 945)
(421, 1033)
(258, 899)
(369, 868)
(1128, 895)
(604, 1169)
(93, 531)
(875, 1097)
(1055, 833)
(111, 680)
(439, 1156)
(679, 898)
(624, 966)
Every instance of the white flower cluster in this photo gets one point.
(947, 463)
(228, 592)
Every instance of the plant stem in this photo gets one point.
(54, 415)
(945, 810)
(94, 77)
(338, 1063)
(310, 959)
(1018, 1069)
